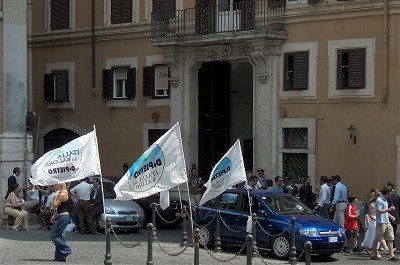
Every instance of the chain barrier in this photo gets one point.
(233, 231)
(255, 251)
(225, 260)
(268, 234)
(166, 221)
(125, 244)
(301, 255)
(203, 225)
(170, 254)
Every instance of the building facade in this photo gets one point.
(290, 79)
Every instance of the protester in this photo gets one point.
(195, 187)
(251, 184)
(324, 201)
(262, 178)
(350, 224)
(278, 184)
(306, 194)
(96, 202)
(384, 230)
(339, 202)
(61, 219)
(13, 207)
(249, 176)
(13, 179)
(394, 199)
(32, 199)
(47, 212)
(290, 187)
(125, 168)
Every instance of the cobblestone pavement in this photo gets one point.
(35, 247)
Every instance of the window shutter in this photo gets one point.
(286, 81)
(108, 83)
(339, 74)
(62, 94)
(121, 11)
(204, 15)
(148, 81)
(357, 69)
(247, 14)
(131, 83)
(48, 87)
(169, 83)
(59, 14)
(300, 65)
(156, 5)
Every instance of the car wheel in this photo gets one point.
(280, 246)
(206, 236)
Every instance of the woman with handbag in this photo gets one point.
(14, 208)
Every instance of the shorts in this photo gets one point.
(384, 231)
(352, 233)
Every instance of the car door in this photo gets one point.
(228, 205)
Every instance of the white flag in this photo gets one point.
(228, 172)
(161, 167)
(75, 160)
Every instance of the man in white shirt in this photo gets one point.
(82, 192)
(324, 202)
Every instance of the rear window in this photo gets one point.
(228, 201)
(109, 192)
(286, 205)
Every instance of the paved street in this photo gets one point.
(35, 247)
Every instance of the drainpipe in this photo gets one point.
(94, 47)
(385, 92)
(29, 85)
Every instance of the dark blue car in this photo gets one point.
(274, 212)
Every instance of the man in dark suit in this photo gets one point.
(96, 201)
(13, 179)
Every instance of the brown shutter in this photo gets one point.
(339, 74)
(247, 18)
(48, 86)
(148, 81)
(61, 78)
(108, 81)
(357, 68)
(131, 83)
(286, 81)
(59, 14)
(121, 11)
(204, 15)
(300, 76)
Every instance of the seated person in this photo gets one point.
(47, 212)
(32, 199)
(14, 208)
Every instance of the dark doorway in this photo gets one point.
(58, 138)
(214, 115)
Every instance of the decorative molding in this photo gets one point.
(172, 60)
(259, 58)
(224, 52)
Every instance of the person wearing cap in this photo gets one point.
(251, 183)
(262, 178)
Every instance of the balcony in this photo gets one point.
(212, 24)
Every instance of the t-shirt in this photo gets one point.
(350, 222)
(381, 204)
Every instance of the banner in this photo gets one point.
(75, 160)
(228, 172)
(161, 167)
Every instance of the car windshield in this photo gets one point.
(109, 192)
(286, 205)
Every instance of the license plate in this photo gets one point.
(332, 239)
(128, 218)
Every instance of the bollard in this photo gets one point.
(107, 257)
(153, 213)
(249, 246)
(217, 233)
(254, 230)
(307, 252)
(184, 234)
(196, 246)
(292, 252)
(150, 230)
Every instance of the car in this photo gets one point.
(169, 216)
(274, 212)
(124, 215)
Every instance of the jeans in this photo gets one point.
(58, 237)
(324, 210)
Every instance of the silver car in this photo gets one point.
(124, 215)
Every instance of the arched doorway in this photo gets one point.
(57, 138)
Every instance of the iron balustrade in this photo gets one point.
(265, 15)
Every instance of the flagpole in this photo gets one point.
(101, 176)
(190, 206)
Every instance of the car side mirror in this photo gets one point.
(261, 212)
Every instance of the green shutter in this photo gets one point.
(61, 82)
(357, 69)
(108, 82)
(59, 14)
(339, 74)
(131, 83)
(48, 86)
(300, 76)
(121, 11)
(148, 81)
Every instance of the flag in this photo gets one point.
(228, 172)
(164, 199)
(161, 167)
(75, 160)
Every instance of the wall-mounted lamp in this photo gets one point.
(352, 133)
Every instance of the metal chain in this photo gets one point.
(268, 234)
(124, 244)
(170, 254)
(233, 231)
(224, 260)
(162, 218)
(300, 256)
(255, 250)
(203, 225)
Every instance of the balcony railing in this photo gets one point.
(266, 15)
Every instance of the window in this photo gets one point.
(156, 81)
(152, 131)
(297, 148)
(228, 201)
(119, 83)
(155, 134)
(60, 14)
(59, 85)
(351, 69)
(295, 71)
(165, 8)
(121, 11)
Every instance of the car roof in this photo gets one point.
(258, 192)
